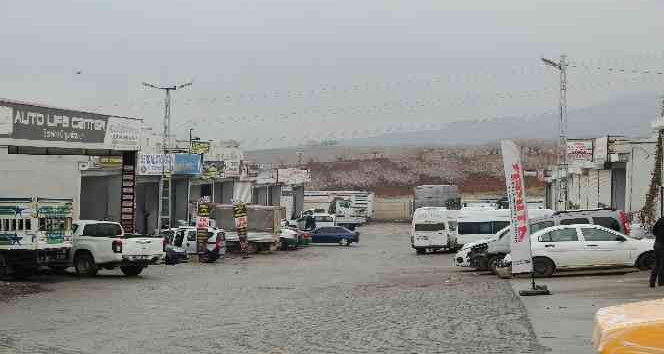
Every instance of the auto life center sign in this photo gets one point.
(24, 124)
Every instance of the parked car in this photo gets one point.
(485, 253)
(289, 237)
(335, 234)
(103, 244)
(586, 246)
(174, 254)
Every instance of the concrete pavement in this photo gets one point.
(563, 321)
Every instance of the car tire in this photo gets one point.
(131, 271)
(493, 263)
(480, 263)
(284, 245)
(344, 242)
(543, 267)
(420, 250)
(85, 265)
(646, 261)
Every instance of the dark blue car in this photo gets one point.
(335, 234)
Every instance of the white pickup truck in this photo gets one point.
(103, 244)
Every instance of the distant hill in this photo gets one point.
(630, 116)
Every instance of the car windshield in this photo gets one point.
(365, 159)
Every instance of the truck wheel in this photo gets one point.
(85, 265)
(131, 271)
(420, 250)
(284, 245)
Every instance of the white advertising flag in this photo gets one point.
(516, 193)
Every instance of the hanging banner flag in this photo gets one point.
(516, 193)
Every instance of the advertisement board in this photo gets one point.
(579, 150)
(293, 176)
(232, 169)
(200, 147)
(23, 124)
(187, 164)
(154, 164)
(516, 194)
(213, 170)
(601, 150)
(268, 176)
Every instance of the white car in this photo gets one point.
(586, 246)
(103, 244)
(462, 258)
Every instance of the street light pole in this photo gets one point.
(166, 134)
(561, 157)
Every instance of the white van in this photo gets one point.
(474, 225)
(433, 228)
(479, 225)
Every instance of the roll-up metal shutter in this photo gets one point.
(593, 184)
(605, 188)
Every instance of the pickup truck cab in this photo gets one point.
(103, 244)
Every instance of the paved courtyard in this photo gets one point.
(374, 297)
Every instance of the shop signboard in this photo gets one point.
(128, 192)
(202, 224)
(601, 150)
(293, 176)
(109, 161)
(154, 164)
(252, 169)
(187, 164)
(232, 169)
(213, 170)
(268, 176)
(580, 151)
(23, 124)
(200, 147)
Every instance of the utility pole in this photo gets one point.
(165, 181)
(299, 158)
(561, 157)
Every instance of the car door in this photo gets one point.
(318, 236)
(338, 234)
(192, 246)
(322, 235)
(94, 238)
(603, 247)
(563, 246)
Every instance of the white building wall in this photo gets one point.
(639, 171)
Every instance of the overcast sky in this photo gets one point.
(274, 73)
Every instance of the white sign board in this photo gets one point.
(579, 150)
(293, 176)
(516, 193)
(6, 123)
(123, 134)
(154, 164)
(601, 149)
